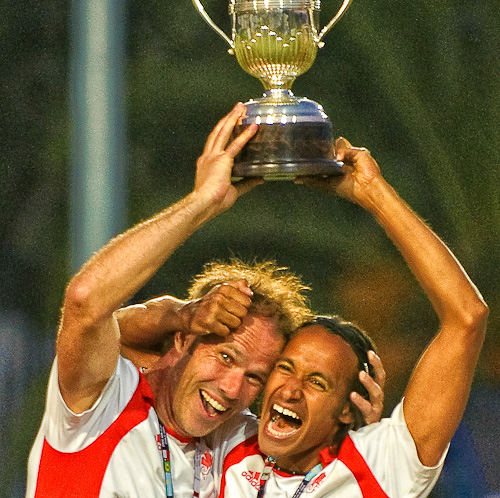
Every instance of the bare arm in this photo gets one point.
(147, 329)
(88, 341)
(439, 387)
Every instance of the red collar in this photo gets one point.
(327, 455)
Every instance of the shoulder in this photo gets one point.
(61, 425)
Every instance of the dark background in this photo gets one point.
(415, 82)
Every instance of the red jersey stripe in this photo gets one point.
(80, 474)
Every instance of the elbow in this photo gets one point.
(79, 302)
(475, 317)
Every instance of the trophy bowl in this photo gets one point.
(276, 41)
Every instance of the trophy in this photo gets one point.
(276, 41)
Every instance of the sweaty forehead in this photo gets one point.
(256, 336)
(315, 345)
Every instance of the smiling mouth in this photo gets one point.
(283, 422)
(212, 406)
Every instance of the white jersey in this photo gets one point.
(111, 450)
(377, 461)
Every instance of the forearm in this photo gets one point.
(88, 341)
(452, 294)
(115, 273)
(147, 326)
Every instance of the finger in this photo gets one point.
(229, 319)
(240, 141)
(227, 127)
(353, 154)
(244, 186)
(209, 144)
(378, 367)
(341, 145)
(364, 407)
(375, 392)
(236, 291)
(342, 142)
(211, 328)
(219, 317)
(242, 285)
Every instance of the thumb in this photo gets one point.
(341, 145)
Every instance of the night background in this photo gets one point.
(417, 83)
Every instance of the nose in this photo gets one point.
(231, 383)
(291, 388)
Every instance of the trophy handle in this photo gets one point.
(334, 21)
(208, 19)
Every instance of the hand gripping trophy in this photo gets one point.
(276, 41)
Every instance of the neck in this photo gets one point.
(294, 465)
(161, 381)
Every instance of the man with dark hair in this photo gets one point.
(307, 404)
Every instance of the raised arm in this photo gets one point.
(439, 387)
(88, 341)
(147, 329)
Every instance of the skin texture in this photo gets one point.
(312, 378)
(436, 395)
(230, 370)
(88, 341)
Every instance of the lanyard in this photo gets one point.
(268, 467)
(167, 465)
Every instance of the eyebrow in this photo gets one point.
(312, 374)
(241, 356)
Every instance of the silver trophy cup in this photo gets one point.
(276, 41)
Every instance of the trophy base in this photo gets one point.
(288, 170)
(285, 151)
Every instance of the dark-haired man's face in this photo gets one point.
(306, 397)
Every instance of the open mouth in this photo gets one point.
(212, 406)
(283, 422)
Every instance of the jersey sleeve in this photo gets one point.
(389, 450)
(68, 431)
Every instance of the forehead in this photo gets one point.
(318, 349)
(257, 339)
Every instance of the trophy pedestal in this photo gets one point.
(294, 139)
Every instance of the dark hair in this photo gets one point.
(360, 343)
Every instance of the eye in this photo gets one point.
(283, 367)
(318, 383)
(255, 380)
(226, 358)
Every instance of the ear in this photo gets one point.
(182, 341)
(346, 415)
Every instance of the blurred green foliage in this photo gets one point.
(418, 83)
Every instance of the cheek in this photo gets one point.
(248, 395)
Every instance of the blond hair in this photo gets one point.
(278, 293)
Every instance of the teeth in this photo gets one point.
(285, 411)
(213, 403)
(279, 434)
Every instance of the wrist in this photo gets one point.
(374, 194)
(202, 206)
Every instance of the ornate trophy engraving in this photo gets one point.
(276, 41)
